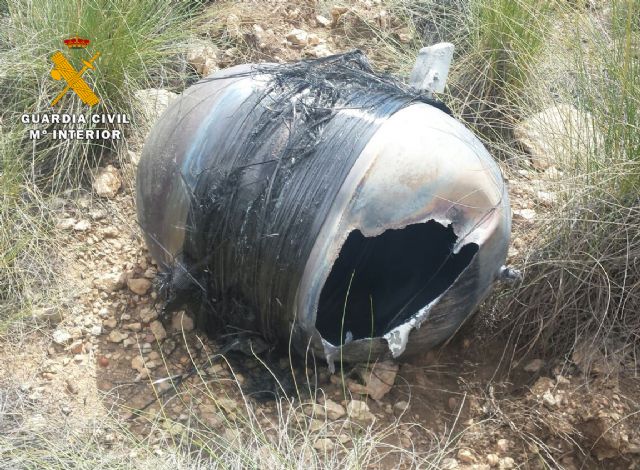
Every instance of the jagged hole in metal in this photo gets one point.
(394, 275)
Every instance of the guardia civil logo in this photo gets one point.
(64, 71)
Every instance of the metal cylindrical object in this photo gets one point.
(323, 204)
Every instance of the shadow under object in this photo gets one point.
(322, 203)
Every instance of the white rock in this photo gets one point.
(493, 460)
(151, 102)
(561, 136)
(133, 326)
(379, 378)
(108, 282)
(549, 400)
(506, 463)
(50, 315)
(66, 224)
(95, 330)
(449, 464)
(321, 50)
(107, 182)
(298, 37)
(181, 321)
(139, 286)
(323, 21)
(323, 444)
(526, 215)
(147, 315)
(82, 226)
(534, 365)
(137, 363)
(158, 330)
(359, 411)
(61, 336)
(116, 336)
(502, 445)
(466, 456)
(203, 58)
(334, 410)
(401, 406)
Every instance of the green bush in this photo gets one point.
(141, 44)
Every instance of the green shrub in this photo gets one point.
(140, 42)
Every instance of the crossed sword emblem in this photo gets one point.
(63, 70)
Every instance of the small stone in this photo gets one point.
(180, 321)
(337, 12)
(321, 50)
(359, 411)
(298, 37)
(109, 232)
(549, 400)
(449, 464)
(379, 378)
(95, 330)
(108, 282)
(82, 226)
(323, 21)
(502, 445)
(137, 363)
(97, 214)
(107, 182)
(116, 336)
(147, 315)
(61, 336)
(493, 460)
(534, 366)
(139, 286)
(334, 410)
(76, 348)
(66, 224)
(109, 322)
(158, 330)
(151, 102)
(203, 58)
(525, 215)
(323, 445)
(133, 327)
(506, 463)
(466, 456)
(562, 380)
(71, 387)
(401, 406)
(50, 315)
(103, 361)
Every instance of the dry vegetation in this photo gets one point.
(577, 309)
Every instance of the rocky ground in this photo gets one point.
(105, 347)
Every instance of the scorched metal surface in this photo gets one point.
(323, 203)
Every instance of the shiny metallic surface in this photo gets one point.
(421, 165)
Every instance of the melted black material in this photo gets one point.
(378, 283)
(261, 181)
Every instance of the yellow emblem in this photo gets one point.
(63, 70)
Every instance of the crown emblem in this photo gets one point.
(76, 42)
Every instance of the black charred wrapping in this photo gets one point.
(270, 177)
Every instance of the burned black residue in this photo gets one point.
(262, 182)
